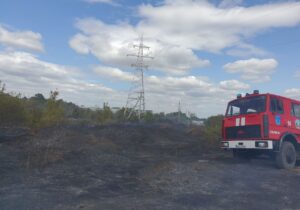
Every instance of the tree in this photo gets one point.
(39, 97)
(54, 114)
(149, 117)
(12, 109)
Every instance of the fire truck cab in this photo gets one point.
(263, 123)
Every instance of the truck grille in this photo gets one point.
(240, 132)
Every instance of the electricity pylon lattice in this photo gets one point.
(136, 96)
(179, 112)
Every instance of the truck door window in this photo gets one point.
(280, 107)
(296, 110)
(276, 105)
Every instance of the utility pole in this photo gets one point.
(136, 96)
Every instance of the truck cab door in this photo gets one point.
(294, 122)
(278, 120)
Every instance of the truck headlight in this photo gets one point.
(261, 144)
(224, 144)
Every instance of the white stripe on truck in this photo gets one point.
(237, 122)
(243, 121)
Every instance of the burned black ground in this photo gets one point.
(135, 167)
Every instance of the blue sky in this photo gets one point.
(205, 52)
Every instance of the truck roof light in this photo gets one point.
(239, 95)
(247, 94)
(255, 91)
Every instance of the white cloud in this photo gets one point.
(170, 83)
(207, 27)
(198, 94)
(246, 50)
(21, 39)
(177, 37)
(114, 73)
(25, 72)
(111, 44)
(234, 85)
(255, 70)
(111, 2)
(177, 60)
(293, 93)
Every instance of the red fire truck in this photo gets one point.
(263, 123)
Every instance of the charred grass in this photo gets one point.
(132, 166)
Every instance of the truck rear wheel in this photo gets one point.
(287, 156)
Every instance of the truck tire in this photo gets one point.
(287, 156)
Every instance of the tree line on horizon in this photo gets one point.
(39, 111)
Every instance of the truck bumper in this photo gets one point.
(247, 144)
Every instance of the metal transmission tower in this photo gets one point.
(179, 112)
(136, 95)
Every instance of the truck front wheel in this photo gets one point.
(287, 156)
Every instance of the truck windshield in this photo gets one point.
(249, 105)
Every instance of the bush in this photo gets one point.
(212, 131)
(35, 116)
(149, 117)
(12, 110)
(38, 112)
(103, 115)
(119, 115)
(53, 114)
(209, 135)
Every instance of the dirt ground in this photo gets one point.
(135, 167)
